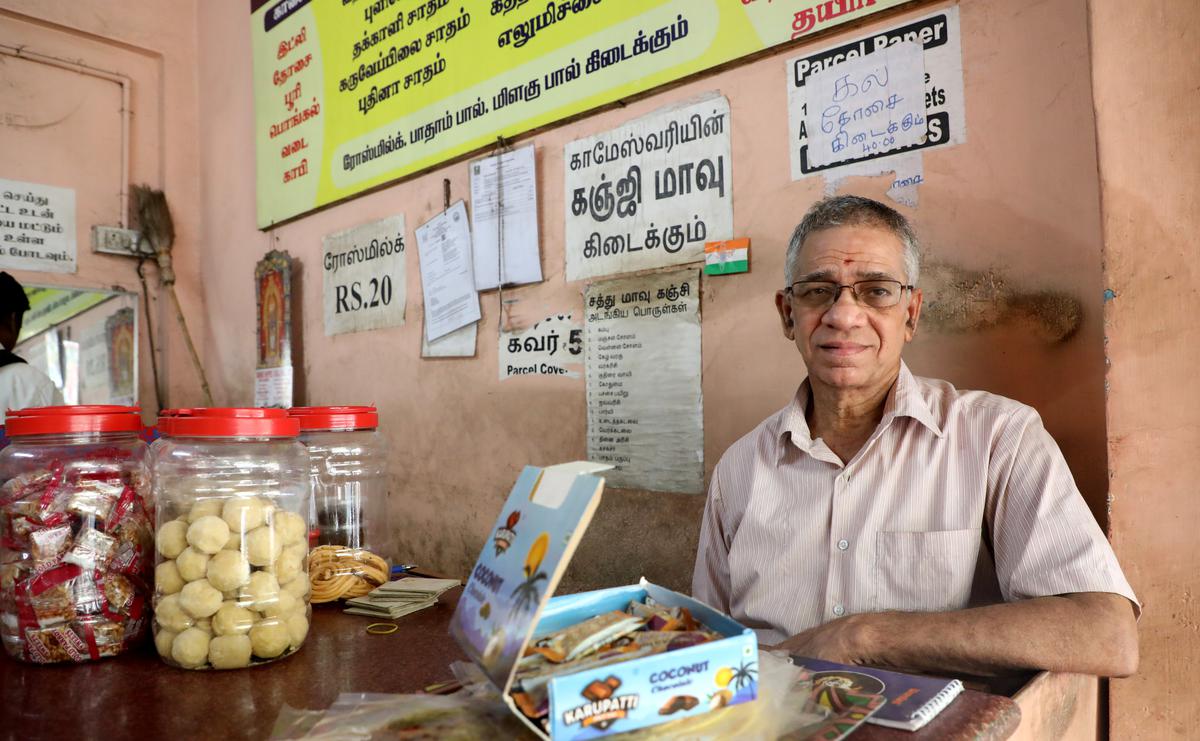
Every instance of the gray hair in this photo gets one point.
(854, 211)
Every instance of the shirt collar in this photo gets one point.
(903, 400)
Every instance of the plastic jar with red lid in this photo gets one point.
(350, 497)
(232, 498)
(76, 542)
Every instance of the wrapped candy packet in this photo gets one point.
(583, 638)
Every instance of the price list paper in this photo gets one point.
(644, 402)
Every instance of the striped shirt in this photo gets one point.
(958, 498)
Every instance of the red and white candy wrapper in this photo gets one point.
(51, 645)
(87, 592)
(53, 606)
(25, 485)
(118, 594)
(128, 505)
(93, 550)
(54, 497)
(48, 546)
(94, 501)
(103, 637)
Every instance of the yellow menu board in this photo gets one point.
(350, 94)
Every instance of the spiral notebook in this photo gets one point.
(912, 701)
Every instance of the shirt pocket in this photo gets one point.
(925, 571)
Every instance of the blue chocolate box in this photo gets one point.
(506, 605)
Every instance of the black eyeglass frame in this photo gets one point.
(837, 290)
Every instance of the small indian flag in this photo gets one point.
(730, 256)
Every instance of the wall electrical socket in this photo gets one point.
(112, 240)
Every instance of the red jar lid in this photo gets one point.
(167, 416)
(62, 420)
(328, 419)
(230, 422)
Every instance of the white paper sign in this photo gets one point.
(867, 105)
(552, 347)
(365, 277)
(273, 387)
(645, 410)
(511, 179)
(650, 193)
(942, 87)
(444, 245)
(37, 227)
(457, 344)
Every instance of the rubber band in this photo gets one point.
(381, 629)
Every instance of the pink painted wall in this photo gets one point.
(63, 128)
(1145, 71)
(1016, 208)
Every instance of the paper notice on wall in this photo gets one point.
(642, 353)
(273, 387)
(457, 344)
(508, 234)
(650, 193)
(37, 227)
(448, 282)
(908, 171)
(365, 277)
(867, 105)
(944, 123)
(552, 347)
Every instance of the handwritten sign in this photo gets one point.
(37, 227)
(867, 105)
(941, 96)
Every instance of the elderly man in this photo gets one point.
(886, 519)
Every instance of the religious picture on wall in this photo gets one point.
(273, 300)
(122, 346)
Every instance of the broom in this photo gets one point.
(158, 228)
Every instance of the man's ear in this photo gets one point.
(913, 314)
(786, 319)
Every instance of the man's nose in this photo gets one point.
(845, 312)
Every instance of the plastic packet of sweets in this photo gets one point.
(583, 638)
(48, 546)
(103, 637)
(659, 617)
(93, 550)
(50, 645)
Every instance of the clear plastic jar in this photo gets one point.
(231, 491)
(75, 533)
(349, 484)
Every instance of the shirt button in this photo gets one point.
(839, 610)
(843, 544)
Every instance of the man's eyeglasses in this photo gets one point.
(821, 294)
